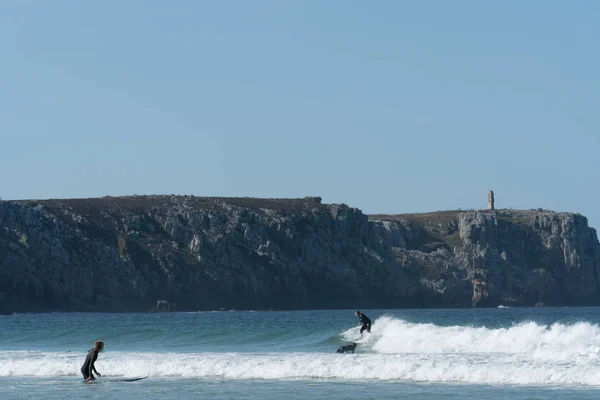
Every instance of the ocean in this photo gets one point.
(504, 353)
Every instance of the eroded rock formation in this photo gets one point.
(121, 254)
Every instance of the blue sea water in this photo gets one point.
(504, 353)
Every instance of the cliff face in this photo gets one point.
(124, 254)
(504, 257)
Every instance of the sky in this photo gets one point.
(388, 106)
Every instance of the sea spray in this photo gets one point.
(465, 368)
(292, 346)
(555, 342)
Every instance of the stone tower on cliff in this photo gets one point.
(490, 200)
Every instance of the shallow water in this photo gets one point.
(503, 353)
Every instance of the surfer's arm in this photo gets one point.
(95, 370)
(94, 357)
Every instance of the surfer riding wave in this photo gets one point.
(364, 320)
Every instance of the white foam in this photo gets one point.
(408, 367)
(525, 354)
(557, 342)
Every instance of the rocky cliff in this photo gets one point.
(125, 253)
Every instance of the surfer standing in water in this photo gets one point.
(364, 320)
(88, 365)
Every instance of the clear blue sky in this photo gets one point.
(389, 106)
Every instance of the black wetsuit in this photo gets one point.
(365, 321)
(88, 365)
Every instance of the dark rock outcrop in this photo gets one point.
(164, 306)
(121, 254)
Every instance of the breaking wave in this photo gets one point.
(524, 354)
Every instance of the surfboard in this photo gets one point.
(131, 379)
(138, 378)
